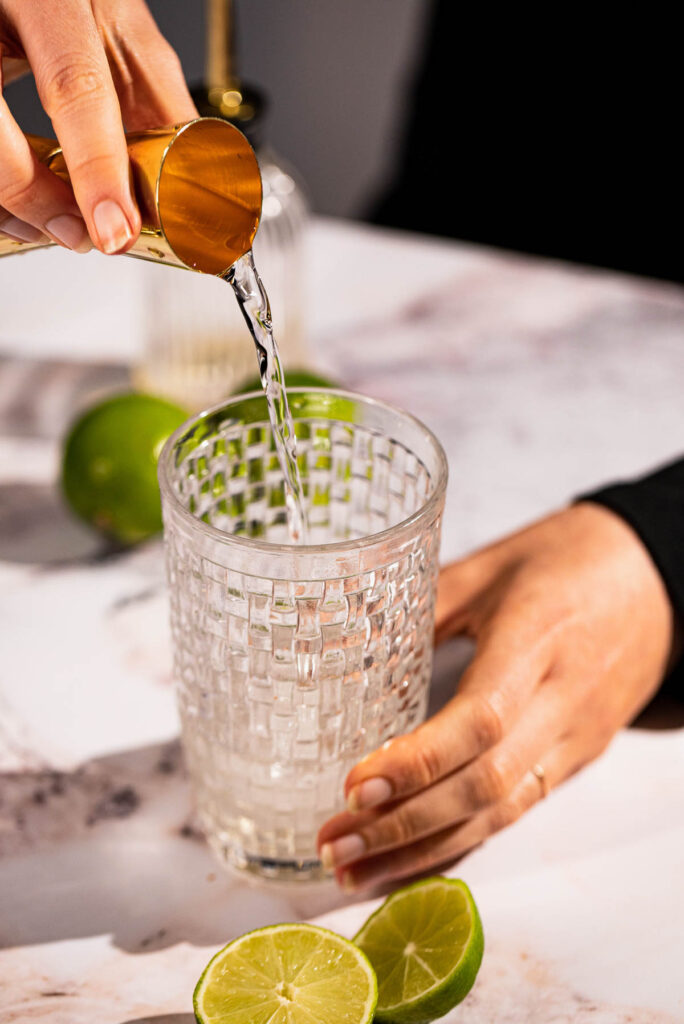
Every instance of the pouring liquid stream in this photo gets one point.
(253, 301)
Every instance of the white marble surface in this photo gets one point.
(541, 380)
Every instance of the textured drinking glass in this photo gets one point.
(292, 662)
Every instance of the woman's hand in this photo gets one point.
(573, 631)
(98, 65)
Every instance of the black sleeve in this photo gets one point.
(654, 508)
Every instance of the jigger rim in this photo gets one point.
(179, 130)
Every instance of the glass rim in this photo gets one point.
(269, 547)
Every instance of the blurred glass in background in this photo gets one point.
(197, 350)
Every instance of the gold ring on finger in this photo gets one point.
(540, 775)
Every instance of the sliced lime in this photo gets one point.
(426, 944)
(287, 974)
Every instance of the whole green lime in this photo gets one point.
(293, 379)
(109, 464)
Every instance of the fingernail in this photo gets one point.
(342, 851)
(327, 858)
(347, 882)
(71, 232)
(111, 225)
(369, 794)
(22, 231)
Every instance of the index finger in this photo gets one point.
(75, 86)
(507, 668)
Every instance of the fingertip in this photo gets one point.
(370, 793)
(346, 882)
(113, 232)
(353, 801)
(327, 860)
(321, 838)
(20, 231)
(134, 219)
(70, 232)
(361, 769)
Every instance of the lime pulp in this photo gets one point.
(287, 974)
(426, 944)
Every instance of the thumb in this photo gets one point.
(460, 589)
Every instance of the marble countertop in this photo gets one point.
(541, 380)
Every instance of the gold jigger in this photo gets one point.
(198, 187)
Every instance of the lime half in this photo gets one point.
(287, 974)
(426, 945)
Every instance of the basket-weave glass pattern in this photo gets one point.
(293, 662)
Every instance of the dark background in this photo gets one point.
(336, 72)
(553, 134)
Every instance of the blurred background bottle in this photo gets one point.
(197, 348)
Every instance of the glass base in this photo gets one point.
(271, 868)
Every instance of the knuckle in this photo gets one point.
(423, 864)
(72, 81)
(20, 194)
(157, 51)
(406, 824)
(488, 723)
(169, 56)
(598, 718)
(489, 785)
(427, 763)
(504, 814)
(91, 162)
(393, 829)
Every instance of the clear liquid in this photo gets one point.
(253, 301)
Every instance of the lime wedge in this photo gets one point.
(426, 945)
(287, 974)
